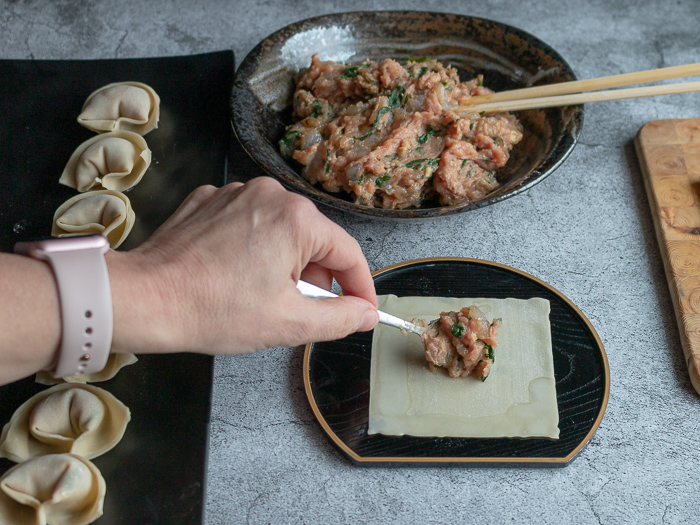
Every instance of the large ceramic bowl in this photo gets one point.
(507, 57)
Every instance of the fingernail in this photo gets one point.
(369, 320)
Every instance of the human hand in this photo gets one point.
(220, 276)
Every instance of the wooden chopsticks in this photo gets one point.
(583, 91)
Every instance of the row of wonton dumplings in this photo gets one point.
(53, 436)
(110, 163)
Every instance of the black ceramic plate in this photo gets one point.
(508, 57)
(156, 474)
(336, 374)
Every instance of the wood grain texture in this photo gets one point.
(669, 155)
(337, 374)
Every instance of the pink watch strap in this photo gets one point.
(85, 297)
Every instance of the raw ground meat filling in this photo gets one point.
(392, 135)
(462, 342)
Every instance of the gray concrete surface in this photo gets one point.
(586, 230)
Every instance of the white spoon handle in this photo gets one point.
(315, 292)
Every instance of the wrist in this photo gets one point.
(44, 328)
(146, 318)
(83, 287)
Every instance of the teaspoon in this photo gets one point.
(316, 292)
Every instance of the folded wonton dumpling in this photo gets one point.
(66, 418)
(130, 106)
(57, 489)
(104, 212)
(113, 161)
(115, 362)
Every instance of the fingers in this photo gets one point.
(320, 242)
(225, 265)
(340, 253)
(324, 244)
(262, 192)
(329, 319)
(202, 194)
(194, 200)
(318, 275)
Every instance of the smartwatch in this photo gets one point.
(85, 300)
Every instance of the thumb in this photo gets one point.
(333, 318)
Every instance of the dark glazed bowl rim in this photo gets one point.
(243, 100)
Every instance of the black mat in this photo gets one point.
(157, 473)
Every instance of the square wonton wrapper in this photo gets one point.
(518, 399)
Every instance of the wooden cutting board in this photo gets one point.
(669, 154)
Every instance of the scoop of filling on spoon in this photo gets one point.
(462, 342)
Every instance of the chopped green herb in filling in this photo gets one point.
(394, 100)
(429, 132)
(352, 71)
(395, 96)
(388, 106)
(381, 180)
(423, 164)
(286, 142)
(318, 110)
(458, 329)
